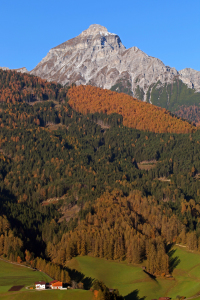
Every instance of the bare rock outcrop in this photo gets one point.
(191, 77)
(22, 70)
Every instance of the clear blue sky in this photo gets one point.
(168, 30)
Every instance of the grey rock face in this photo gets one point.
(191, 78)
(4, 68)
(99, 58)
(22, 70)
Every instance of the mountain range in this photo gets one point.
(97, 57)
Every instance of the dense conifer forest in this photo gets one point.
(136, 190)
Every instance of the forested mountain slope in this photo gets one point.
(93, 161)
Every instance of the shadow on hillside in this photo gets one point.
(174, 261)
(150, 275)
(87, 282)
(26, 228)
(80, 277)
(134, 296)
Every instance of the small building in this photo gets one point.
(57, 285)
(40, 285)
(47, 286)
(52, 282)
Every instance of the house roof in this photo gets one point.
(53, 281)
(40, 282)
(58, 283)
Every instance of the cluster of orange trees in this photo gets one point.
(136, 114)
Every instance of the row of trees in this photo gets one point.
(54, 271)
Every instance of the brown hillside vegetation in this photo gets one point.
(130, 228)
(17, 87)
(136, 114)
(191, 113)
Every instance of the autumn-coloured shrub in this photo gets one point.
(136, 114)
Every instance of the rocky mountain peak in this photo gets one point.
(99, 58)
(95, 29)
(96, 37)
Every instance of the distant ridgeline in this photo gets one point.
(176, 97)
(134, 180)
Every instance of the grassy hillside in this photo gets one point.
(132, 280)
(172, 96)
(13, 275)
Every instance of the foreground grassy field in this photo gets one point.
(132, 282)
(13, 275)
(48, 295)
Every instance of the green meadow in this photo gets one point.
(48, 295)
(133, 283)
(13, 275)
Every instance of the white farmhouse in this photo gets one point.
(40, 285)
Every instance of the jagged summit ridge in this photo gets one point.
(99, 58)
(95, 36)
(95, 29)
